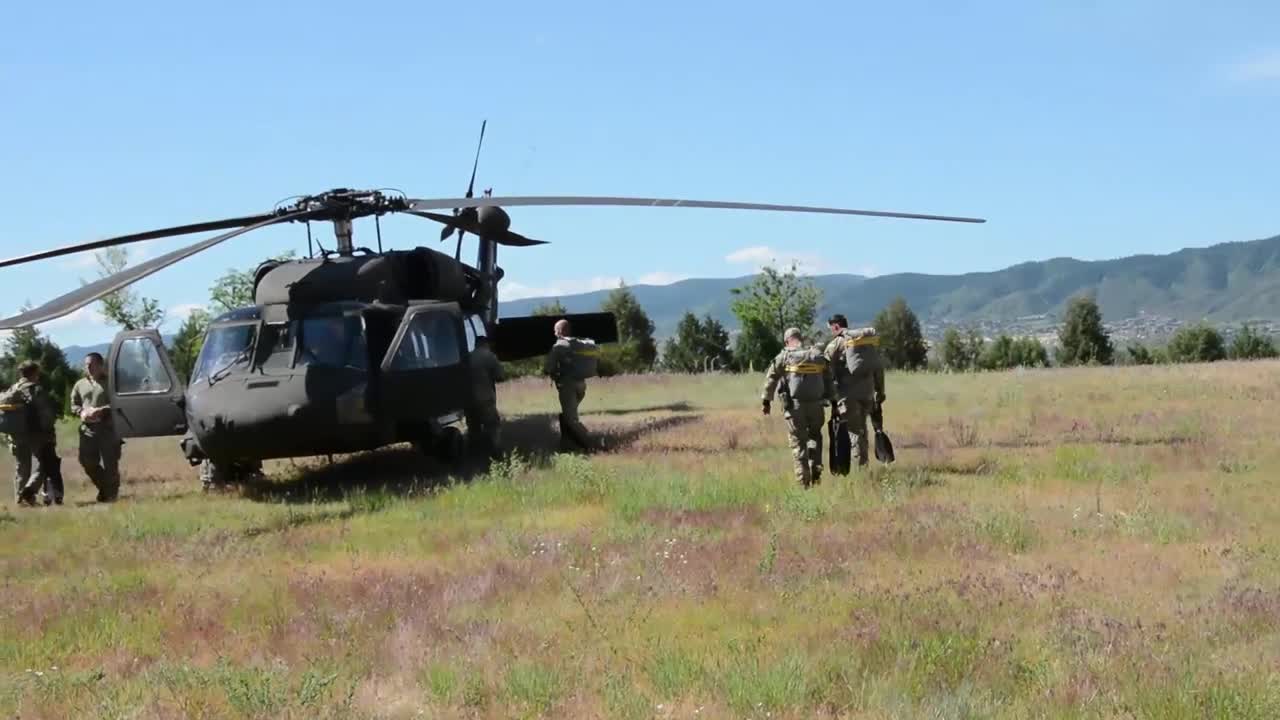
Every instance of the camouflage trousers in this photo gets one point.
(804, 429)
(571, 428)
(856, 412)
(484, 427)
(35, 469)
(100, 458)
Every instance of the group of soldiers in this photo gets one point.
(569, 364)
(847, 375)
(29, 421)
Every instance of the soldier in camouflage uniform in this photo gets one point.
(99, 442)
(559, 366)
(855, 357)
(34, 451)
(803, 378)
(483, 421)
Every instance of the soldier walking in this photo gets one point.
(803, 379)
(569, 364)
(30, 419)
(859, 371)
(483, 421)
(99, 442)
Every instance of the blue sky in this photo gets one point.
(1089, 129)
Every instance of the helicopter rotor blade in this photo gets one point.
(565, 200)
(463, 223)
(139, 237)
(96, 290)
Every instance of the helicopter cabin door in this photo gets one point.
(146, 396)
(425, 373)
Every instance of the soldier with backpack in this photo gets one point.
(569, 364)
(855, 355)
(802, 377)
(27, 416)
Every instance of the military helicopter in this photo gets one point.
(349, 349)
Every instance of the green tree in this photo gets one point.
(1030, 352)
(695, 343)
(187, 343)
(1082, 340)
(1140, 355)
(235, 288)
(550, 309)
(125, 307)
(755, 347)
(1249, 344)
(1007, 352)
(1196, 343)
(901, 342)
(772, 302)
(637, 349)
(28, 344)
(960, 352)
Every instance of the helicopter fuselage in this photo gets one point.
(333, 378)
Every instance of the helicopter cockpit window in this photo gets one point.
(333, 341)
(224, 348)
(139, 368)
(275, 350)
(430, 341)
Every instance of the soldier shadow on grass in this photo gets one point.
(404, 471)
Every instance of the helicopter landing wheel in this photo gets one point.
(449, 445)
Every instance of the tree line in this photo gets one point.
(769, 303)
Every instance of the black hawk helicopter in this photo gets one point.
(346, 350)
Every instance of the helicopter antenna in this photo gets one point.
(457, 252)
(311, 251)
(378, 225)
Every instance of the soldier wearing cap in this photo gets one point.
(569, 364)
(859, 371)
(34, 446)
(802, 377)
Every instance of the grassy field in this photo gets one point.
(1063, 543)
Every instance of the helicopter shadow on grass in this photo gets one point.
(404, 471)
(681, 406)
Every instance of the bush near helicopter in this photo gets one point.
(344, 351)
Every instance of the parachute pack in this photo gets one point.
(862, 352)
(584, 358)
(804, 375)
(17, 414)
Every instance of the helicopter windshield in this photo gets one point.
(333, 341)
(224, 347)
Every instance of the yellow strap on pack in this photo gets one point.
(804, 369)
(588, 352)
(7, 407)
(862, 341)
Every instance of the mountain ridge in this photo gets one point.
(1223, 283)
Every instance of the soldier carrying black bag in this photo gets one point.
(855, 357)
